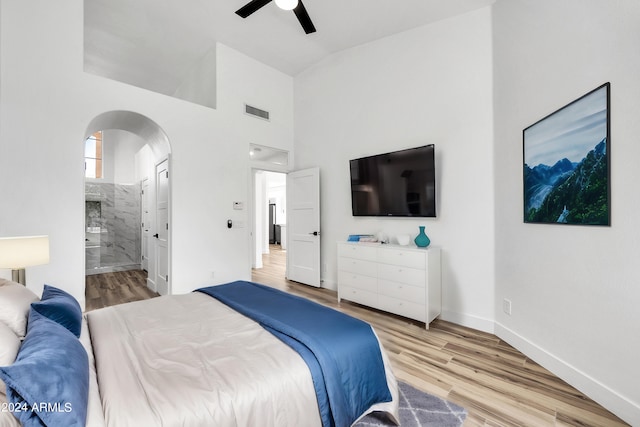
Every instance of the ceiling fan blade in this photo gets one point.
(303, 17)
(251, 7)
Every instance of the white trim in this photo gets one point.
(605, 396)
(473, 322)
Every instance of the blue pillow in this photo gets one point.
(49, 381)
(60, 307)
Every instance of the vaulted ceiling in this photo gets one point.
(154, 44)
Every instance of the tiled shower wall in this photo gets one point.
(112, 224)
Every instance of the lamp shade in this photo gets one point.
(21, 252)
(287, 4)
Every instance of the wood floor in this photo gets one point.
(498, 385)
(103, 290)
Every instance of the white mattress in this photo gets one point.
(188, 360)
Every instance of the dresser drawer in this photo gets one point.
(360, 296)
(359, 281)
(403, 308)
(410, 276)
(413, 259)
(402, 291)
(358, 266)
(358, 251)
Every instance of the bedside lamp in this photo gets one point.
(17, 253)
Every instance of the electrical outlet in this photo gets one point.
(506, 306)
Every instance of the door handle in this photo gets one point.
(156, 235)
(315, 233)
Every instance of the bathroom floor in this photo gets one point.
(103, 290)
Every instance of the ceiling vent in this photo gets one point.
(256, 112)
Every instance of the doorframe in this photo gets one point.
(158, 162)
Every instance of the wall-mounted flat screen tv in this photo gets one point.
(400, 183)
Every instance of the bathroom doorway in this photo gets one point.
(112, 202)
(123, 198)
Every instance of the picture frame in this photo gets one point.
(566, 163)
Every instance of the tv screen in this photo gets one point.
(401, 183)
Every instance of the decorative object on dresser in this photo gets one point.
(403, 280)
(403, 239)
(422, 240)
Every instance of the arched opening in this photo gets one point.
(127, 201)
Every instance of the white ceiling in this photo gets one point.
(154, 44)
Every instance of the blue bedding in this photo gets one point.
(342, 352)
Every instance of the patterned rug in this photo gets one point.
(419, 409)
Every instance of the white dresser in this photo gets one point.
(403, 280)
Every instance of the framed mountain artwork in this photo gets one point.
(566, 163)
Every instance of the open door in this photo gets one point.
(303, 224)
(162, 227)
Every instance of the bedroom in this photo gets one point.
(469, 84)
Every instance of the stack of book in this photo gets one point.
(362, 238)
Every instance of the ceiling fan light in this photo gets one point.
(286, 4)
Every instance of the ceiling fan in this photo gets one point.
(295, 5)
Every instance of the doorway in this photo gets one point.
(129, 165)
(112, 202)
(270, 221)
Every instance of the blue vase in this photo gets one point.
(422, 240)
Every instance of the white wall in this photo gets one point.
(43, 167)
(119, 150)
(574, 289)
(429, 85)
(259, 216)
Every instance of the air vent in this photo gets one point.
(256, 112)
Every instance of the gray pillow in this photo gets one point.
(15, 302)
(9, 346)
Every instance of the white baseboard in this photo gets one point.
(621, 406)
(473, 322)
(152, 285)
(328, 284)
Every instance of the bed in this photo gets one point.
(182, 360)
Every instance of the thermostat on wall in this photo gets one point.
(238, 206)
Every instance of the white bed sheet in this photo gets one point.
(189, 360)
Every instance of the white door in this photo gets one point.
(144, 203)
(303, 226)
(162, 227)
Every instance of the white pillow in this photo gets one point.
(15, 301)
(9, 346)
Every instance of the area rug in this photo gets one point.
(419, 409)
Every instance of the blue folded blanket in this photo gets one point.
(342, 352)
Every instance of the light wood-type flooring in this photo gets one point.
(498, 385)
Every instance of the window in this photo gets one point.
(93, 156)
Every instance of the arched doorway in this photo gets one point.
(152, 190)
